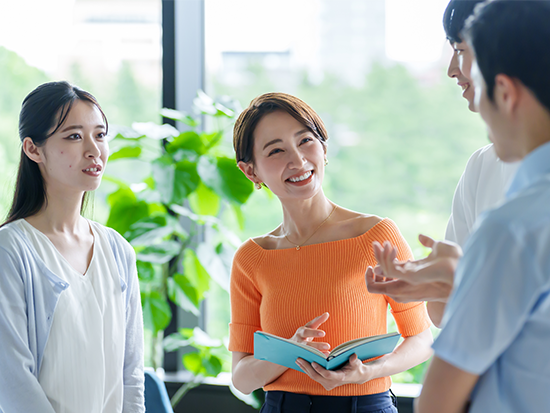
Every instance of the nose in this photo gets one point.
(454, 67)
(92, 149)
(296, 158)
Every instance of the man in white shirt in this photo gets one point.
(492, 354)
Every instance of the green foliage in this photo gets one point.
(185, 181)
(17, 80)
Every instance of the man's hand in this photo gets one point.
(428, 279)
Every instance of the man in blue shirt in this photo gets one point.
(493, 349)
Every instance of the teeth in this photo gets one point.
(301, 178)
(91, 170)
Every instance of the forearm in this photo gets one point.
(446, 389)
(412, 351)
(250, 374)
(436, 309)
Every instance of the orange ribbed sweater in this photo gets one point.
(278, 291)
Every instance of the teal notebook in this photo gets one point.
(284, 352)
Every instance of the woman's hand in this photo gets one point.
(354, 372)
(310, 331)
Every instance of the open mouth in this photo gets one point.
(93, 170)
(304, 178)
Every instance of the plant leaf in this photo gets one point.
(125, 209)
(159, 253)
(156, 311)
(193, 363)
(204, 201)
(182, 292)
(145, 270)
(212, 365)
(214, 265)
(188, 141)
(186, 180)
(175, 341)
(126, 152)
(195, 272)
(180, 116)
(155, 131)
(163, 172)
(223, 176)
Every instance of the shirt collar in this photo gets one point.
(533, 166)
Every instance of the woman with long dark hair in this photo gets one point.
(70, 315)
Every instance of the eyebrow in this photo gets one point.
(300, 132)
(72, 127)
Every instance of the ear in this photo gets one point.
(32, 151)
(248, 170)
(507, 93)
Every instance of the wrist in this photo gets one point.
(368, 372)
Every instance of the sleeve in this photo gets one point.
(463, 215)
(245, 302)
(134, 379)
(19, 387)
(491, 301)
(411, 318)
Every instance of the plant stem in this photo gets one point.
(182, 391)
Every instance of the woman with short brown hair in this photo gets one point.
(309, 271)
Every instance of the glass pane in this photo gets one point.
(109, 48)
(375, 71)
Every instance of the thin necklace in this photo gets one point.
(298, 246)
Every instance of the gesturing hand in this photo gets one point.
(353, 372)
(428, 279)
(307, 333)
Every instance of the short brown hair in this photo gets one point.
(243, 132)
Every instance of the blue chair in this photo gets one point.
(156, 396)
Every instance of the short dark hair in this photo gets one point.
(513, 38)
(243, 132)
(455, 16)
(42, 113)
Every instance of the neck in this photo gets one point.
(61, 212)
(533, 125)
(301, 217)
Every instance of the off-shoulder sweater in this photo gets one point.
(277, 291)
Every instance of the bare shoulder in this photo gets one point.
(271, 240)
(356, 223)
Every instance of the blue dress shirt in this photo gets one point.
(497, 321)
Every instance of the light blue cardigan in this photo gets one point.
(29, 293)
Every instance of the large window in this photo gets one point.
(400, 133)
(374, 70)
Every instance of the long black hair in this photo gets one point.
(42, 113)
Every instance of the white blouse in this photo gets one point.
(84, 356)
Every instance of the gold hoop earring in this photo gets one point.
(326, 161)
(258, 185)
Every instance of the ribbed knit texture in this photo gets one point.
(277, 291)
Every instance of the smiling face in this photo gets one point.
(460, 68)
(74, 157)
(288, 157)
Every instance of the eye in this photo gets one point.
(306, 140)
(274, 151)
(74, 137)
(101, 135)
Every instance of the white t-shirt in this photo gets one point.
(82, 367)
(482, 187)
